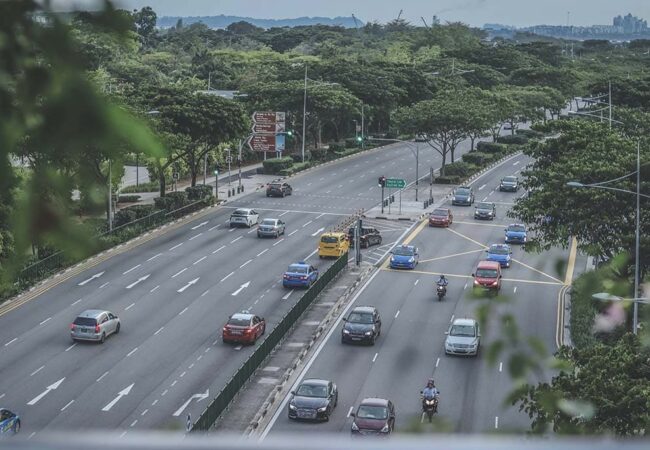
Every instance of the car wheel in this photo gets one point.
(373, 339)
(379, 241)
(117, 328)
(103, 338)
(16, 427)
(342, 340)
(277, 234)
(259, 235)
(326, 418)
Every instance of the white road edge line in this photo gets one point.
(66, 406)
(102, 377)
(350, 411)
(178, 273)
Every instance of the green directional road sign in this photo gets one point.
(395, 183)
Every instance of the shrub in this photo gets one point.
(287, 172)
(199, 192)
(275, 165)
(530, 134)
(128, 198)
(461, 168)
(336, 147)
(321, 154)
(152, 186)
(478, 158)
(351, 143)
(259, 170)
(171, 201)
(296, 157)
(491, 147)
(448, 179)
(301, 166)
(516, 139)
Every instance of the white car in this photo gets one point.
(244, 217)
(463, 338)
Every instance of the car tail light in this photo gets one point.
(96, 328)
(72, 326)
(303, 277)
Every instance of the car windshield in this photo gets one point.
(439, 212)
(517, 228)
(510, 179)
(403, 251)
(499, 251)
(239, 322)
(372, 412)
(329, 239)
(462, 191)
(85, 321)
(297, 269)
(276, 186)
(484, 206)
(268, 222)
(240, 212)
(360, 318)
(308, 390)
(486, 273)
(463, 331)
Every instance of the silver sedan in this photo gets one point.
(270, 227)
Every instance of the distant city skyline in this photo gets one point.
(519, 13)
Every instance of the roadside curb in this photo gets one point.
(279, 390)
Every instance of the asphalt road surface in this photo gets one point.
(173, 294)
(411, 346)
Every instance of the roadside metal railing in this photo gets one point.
(220, 403)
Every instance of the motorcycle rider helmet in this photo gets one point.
(430, 382)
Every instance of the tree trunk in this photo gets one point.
(161, 180)
(444, 158)
(320, 135)
(472, 138)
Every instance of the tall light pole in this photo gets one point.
(304, 115)
(601, 185)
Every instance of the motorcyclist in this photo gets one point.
(442, 281)
(431, 392)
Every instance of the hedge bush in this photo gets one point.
(301, 166)
(336, 147)
(275, 165)
(461, 168)
(478, 158)
(448, 179)
(199, 192)
(351, 143)
(513, 139)
(530, 134)
(491, 147)
(321, 154)
(171, 201)
(286, 172)
(132, 213)
(152, 186)
(128, 198)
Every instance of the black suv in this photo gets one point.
(278, 190)
(368, 237)
(509, 183)
(362, 325)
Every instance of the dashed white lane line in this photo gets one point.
(183, 311)
(103, 285)
(515, 290)
(159, 330)
(262, 252)
(45, 321)
(205, 293)
(144, 412)
(173, 383)
(307, 223)
(214, 227)
(71, 347)
(31, 435)
(74, 303)
(178, 273)
(134, 422)
(231, 230)
(496, 422)
(175, 246)
(278, 242)
(66, 406)
(246, 263)
(286, 296)
(236, 239)
(397, 314)
(416, 282)
(132, 351)
(293, 232)
(350, 411)
(131, 269)
(501, 366)
(318, 217)
(198, 261)
(163, 393)
(154, 288)
(452, 318)
(102, 377)
(154, 257)
(465, 287)
(154, 402)
(129, 307)
(219, 249)
(437, 362)
(311, 254)
(515, 163)
(123, 434)
(481, 188)
(190, 366)
(194, 237)
(36, 371)
(11, 342)
(252, 231)
(183, 374)
(2, 395)
(200, 225)
(227, 276)
(374, 358)
(286, 212)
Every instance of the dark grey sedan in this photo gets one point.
(270, 228)
(485, 210)
(463, 196)
(313, 400)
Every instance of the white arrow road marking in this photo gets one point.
(317, 232)
(139, 280)
(199, 397)
(47, 390)
(200, 225)
(287, 295)
(120, 394)
(188, 284)
(97, 275)
(242, 287)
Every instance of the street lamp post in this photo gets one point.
(304, 115)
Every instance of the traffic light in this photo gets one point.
(216, 170)
(289, 133)
(381, 181)
(359, 139)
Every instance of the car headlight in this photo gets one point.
(355, 427)
(346, 331)
(292, 407)
(368, 333)
(490, 213)
(392, 259)
(411, 259)
(495, 283)
(323, 409)
(454, 198)
(385, 429)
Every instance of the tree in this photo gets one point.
(242, 28)
(145, 22)
(605, 391)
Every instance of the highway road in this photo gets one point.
(173, 293)
(411, 346)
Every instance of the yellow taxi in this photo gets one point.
(333, 245)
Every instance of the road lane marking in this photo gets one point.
(144, 412)
(11, 342)
(138, 281)
(572, 262)
(501, 366)
(416, 282)
(194, 237)
(514, 290)
(293, 232)
(129, 307)
(286, 212)
(252, 231)
(154, 402)
(515, 163)
(198, 261)
(154, 257)
(132, 352)
(183, 374)
(103, 285)
(262, 252)
(246, 263)
(452, 256)
(319, 216)
(479, 224)
(452, 318)
(47, 390)
(231, 230)
(496, 422)
(74, 303)
(163, 393)
(397, 314)
(102, 377)
(374, 358)
(227, 276)
(278, 242)
(219, 249)
(481, 188)
(159, 330)
(437, 362)
(134, 422)
(200, 225)
(214, 227)
(45, 321)
(97, 275)
(307, 223)
(178, 273)
(483, 246)
(66, 406)
(465, 287)
(311, 254)
(154, 289)
(287, 295)
(189, 283)
(36, 371)
(175, 246)
(205, 293)
(350, 411)
(539, 271)
(173, 383)
(236, 239)
(131, 269)
(421, 272)
(181, 313)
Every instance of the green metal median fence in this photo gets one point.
(248, 368)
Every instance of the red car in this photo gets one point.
(441, 217)
(488, 276)
(243, 328)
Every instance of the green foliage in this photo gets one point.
(287, 172)
(461, 168)
(530, 134)
(478, 158)
(490, 147)
(128, 198)
(349, 143)
(132, 213)
(516, 139)
(151, 186)
(301, 166)
(199, 192)
(172, 201)
(273, 166)
(448, 179)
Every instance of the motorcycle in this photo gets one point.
(441, 291)
(430, 407)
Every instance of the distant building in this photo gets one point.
(630, 24)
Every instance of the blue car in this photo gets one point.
(299, 274)
(516, 234)
(9, 422)
(404, 257)
(500, 253)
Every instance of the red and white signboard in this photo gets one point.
(268, 131)
(269, 117)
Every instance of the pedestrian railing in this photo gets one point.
(220, 403)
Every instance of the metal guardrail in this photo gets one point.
(219, 404)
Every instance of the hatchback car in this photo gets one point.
(441, 217)
(333, 244)
(463, 195)
(278, 190)
(488, 276)
(270, 227)
(510, 183)
(9, 422)
(516, 234)
(313, 400)
(463, 338)
(362, 325)
(367, 237)
(501, 253)
(94, 325)
(300, 274)
(243, 328)
(485, 210)
(374, 416)
(404, 257)
(244, 217)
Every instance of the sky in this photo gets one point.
(472, 12)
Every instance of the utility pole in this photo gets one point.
(635, 315)
(610, 104)
(205, 168)
(417, 167)
(110, 198)
(363, 137)
(304, 117)
(241, 143)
